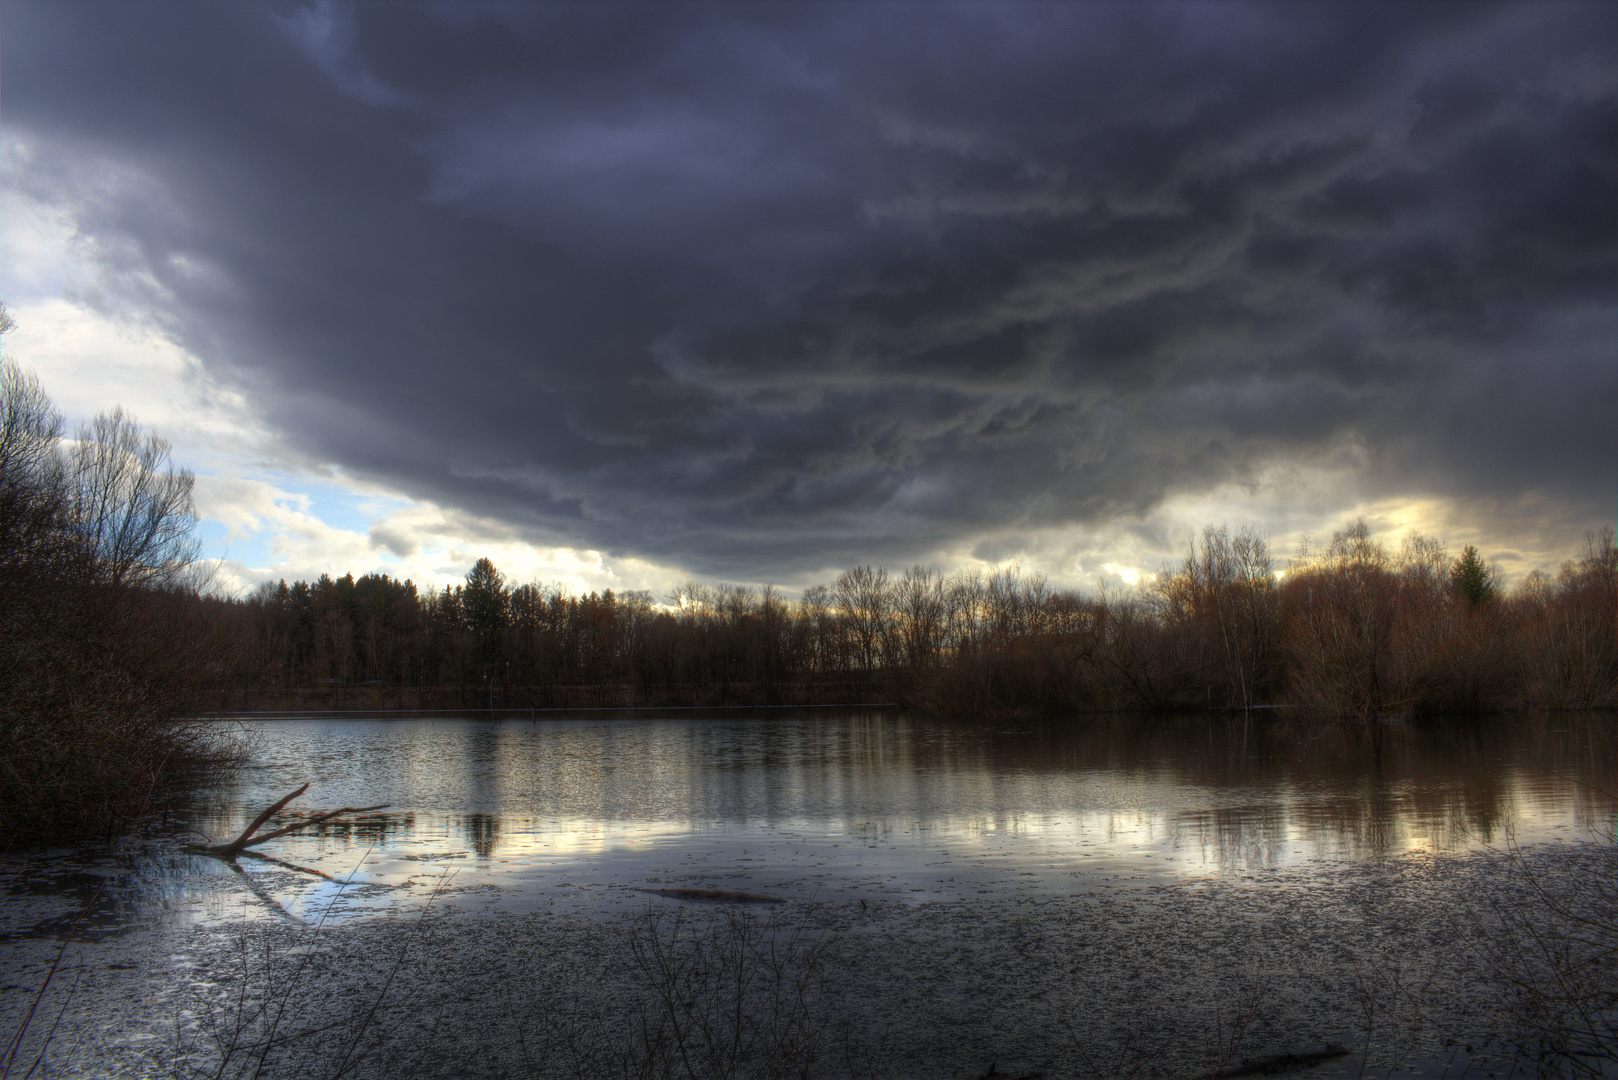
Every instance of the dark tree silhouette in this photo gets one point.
(106, 646)
(483, 605)
(1471, 579)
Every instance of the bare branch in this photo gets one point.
(316, 820)
(241, 841)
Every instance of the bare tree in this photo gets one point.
(919, 605)
(863, 595)
(1345, 604)
(129, 505)
(964, 605)
(31, 488)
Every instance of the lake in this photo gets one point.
(1029, 894)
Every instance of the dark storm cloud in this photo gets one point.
(756, 289)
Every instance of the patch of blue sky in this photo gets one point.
(336, 503)
(246, 529)
(216, 540)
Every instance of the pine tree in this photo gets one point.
(1471, 579)
(483, 601)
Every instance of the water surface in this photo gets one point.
(816, 805)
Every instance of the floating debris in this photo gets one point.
(1280, 1063)
(994, 1073)
(724, 896)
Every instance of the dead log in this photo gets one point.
(247, 839)
(241, 841)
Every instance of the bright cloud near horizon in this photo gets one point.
(619, 295)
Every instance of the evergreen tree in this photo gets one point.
(483, 603)
(1471, 579)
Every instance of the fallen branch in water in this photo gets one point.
(247, 839)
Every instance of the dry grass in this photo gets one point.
(733, 998)
(286, 1015)
(1548, 942)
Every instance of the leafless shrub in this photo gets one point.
(735, 998)
(1548, 935)
(1392, 1014)
(1223, 1040)
(1130, 1058)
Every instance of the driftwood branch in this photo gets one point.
(316, 820)
(258, 822)
(247, 839)
(1280, 1063)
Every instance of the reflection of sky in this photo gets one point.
(882, 805)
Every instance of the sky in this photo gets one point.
(622, 294)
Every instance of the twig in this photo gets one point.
(44, 1047)
(16, 1043)
(1220, 1051)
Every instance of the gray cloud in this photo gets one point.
(393, 540)
(756, 289)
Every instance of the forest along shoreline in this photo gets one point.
(1351, 630)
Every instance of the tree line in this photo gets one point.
(1351, 628)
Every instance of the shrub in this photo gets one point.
(106, 646)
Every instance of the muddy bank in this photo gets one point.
(1066, 986)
